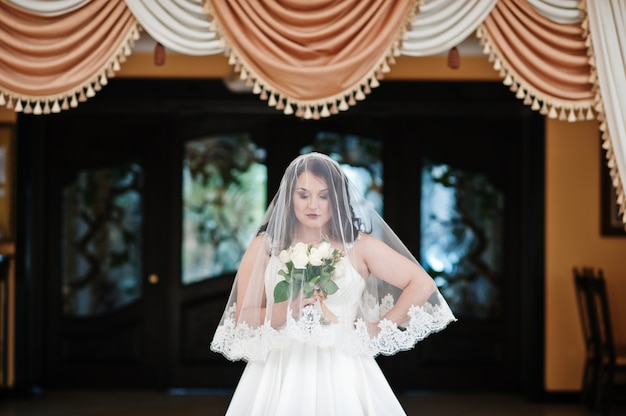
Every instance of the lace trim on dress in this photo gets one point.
(239, 341)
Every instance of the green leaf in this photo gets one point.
(328, 287)
(281, 291)
(285, 274)
(314, 271)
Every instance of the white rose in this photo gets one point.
(316, 257)
(284, 256)
(324, 249)
(299, 255)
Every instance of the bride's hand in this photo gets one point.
(373, 328)
(300, 302)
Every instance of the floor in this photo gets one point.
(125, 403)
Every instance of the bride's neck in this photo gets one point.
(307, 236)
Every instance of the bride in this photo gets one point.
(323, 288)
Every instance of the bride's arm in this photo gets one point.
(248, 310)
(392, 267)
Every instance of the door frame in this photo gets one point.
(58, 150)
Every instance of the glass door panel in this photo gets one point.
(360, 160)
(224, 182)
(102, 244)
(462, 238)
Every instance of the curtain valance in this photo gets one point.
(560, 11)
(544, 63)
(181, 27)
(313, 58)
(47, 7)
(317, 56)
(443, 24)
(51, 62)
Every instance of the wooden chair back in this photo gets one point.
(583, 301)
(602, 318)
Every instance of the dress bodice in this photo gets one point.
(344, 303)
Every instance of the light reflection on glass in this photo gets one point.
(461, 237)
(103, 219)
(360, 160)
(224, 198)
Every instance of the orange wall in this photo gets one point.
(475, 68)
(7, 116)
(572, 203)
(573, 239)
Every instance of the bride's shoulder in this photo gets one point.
(260, 241)
(259, 238)
(364, 241)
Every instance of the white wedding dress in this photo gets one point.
(317, 379)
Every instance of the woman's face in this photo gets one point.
(311, 201)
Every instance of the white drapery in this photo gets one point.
(47, 7)
(443, 24)
(180, 26)
(560, 11)
(607, 27)
(545, 63)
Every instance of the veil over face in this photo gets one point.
(305, 276)
(280, 222)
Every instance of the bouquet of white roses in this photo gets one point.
(310, 268)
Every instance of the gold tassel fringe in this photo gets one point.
(324, 107)
(547, 106)
(69, 99)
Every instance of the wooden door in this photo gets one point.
(460, 209)
(107, 310)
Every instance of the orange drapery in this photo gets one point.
(315, 57)
(544, 62)
(52, 62)
(321, 56)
